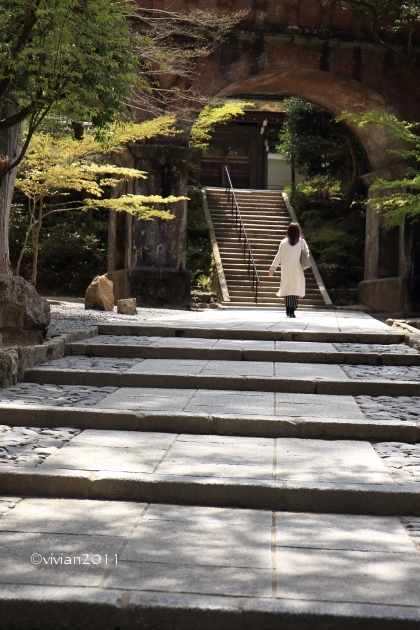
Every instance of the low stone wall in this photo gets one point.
(387, 295)
(412, 337)
(15, 360)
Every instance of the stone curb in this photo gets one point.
(210, 424)
(258, 494)
(90, 608)
(15, 360)
(156, 330)
(43, 375)
(412, 335)
(231, 354)
(107, 609)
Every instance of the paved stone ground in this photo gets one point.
(54, 395)
(404, 408)
(29, 446)
(179, 529)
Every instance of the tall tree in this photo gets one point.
(316, 145)
(76, 57)
(394, 25)
(84, 60)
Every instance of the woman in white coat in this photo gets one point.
(292, 285)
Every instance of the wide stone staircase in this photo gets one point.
(266, 218)
(207, 471)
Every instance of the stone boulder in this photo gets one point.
(127, 307)
(99, 294)
(329, 274)
(21, 307)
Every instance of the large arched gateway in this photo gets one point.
(311, 49)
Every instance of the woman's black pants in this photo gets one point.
(291, 303)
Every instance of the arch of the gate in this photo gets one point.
(333, 93)
(312, 49)
(337, 85)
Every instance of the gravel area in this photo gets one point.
(402, 459)
(26, 447)
(69, 317)
(390, 408)
(54, 395)
(91, 364)
(383, 372)
(375, 348)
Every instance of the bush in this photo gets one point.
(73, 249)
(333, 235)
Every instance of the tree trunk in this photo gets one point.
(27, 235)
(37, 231)
(10, 145)
(354, 179)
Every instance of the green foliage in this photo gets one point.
(76, 58)
(313, 141)
(55, 168)
(401, 18)
(219, 112)
(199, 251)
(332, 234)
(403, 198)
(70, 253)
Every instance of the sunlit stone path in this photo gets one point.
(230, 469)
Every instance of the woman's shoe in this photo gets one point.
(292, 314)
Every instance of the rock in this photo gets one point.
(127, 307)
(343, 274)
(99, 294)
(21, 307)
(353, 261)
(357, 273)
(9, 365)
(329, 273)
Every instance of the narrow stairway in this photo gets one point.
(266, 218)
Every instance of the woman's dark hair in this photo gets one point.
(293, 233)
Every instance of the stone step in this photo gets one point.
(213, 412)
(187, 567)
(263, 376)
(318, 476)
(324, 329)
(242, 350)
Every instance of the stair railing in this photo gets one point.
(238, 221)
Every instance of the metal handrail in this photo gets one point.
(238, 217)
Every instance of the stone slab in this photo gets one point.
(330, 461)
(223, 375)
(224, 581)
(342, 532)
(317, 406)
(348, 576)
(329, 334)
(88, 457)
(213, 456)
(73, 516)
(338, 498)
(207, 543)
(17, 549)
(147, 399)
